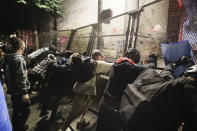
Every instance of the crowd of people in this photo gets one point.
(126, 76)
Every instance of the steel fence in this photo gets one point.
(153, 22)
(189, 31)
(144, 28)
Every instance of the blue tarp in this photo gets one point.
(172, 52)
(5, 124)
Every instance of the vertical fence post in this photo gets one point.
(132, 30)
(91, 40)
(127, 34)
(137, 29)
(71, 39)
(99, 26)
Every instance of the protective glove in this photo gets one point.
(170, 67)
(185, 60)
(152, 59)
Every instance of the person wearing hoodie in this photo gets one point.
(87, 73)
(124, 71)
(17, 84)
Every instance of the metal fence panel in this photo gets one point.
(153, 24)
(113, 35)
(81, 39)
(153, 30)
(190, 23)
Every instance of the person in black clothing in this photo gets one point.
(160, 102)
(190, 90)
(17, 84)
(188, 97)
(124, 71)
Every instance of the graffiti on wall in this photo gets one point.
(63, 40)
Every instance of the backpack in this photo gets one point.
(151, 103)
(59, 78)
(84, 71)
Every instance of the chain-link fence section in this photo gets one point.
(144, 29)
(153, 22)
(147, 29)
(81, 39)
(190, 23)
(114, 37)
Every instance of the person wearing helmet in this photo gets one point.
(191, 73)
(123, 72)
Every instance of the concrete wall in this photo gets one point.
(78, 13)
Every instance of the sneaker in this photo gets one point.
(82, 124)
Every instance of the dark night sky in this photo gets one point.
(13, 16)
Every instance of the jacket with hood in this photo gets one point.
(16, 74)
(188, 98)
(123, 72)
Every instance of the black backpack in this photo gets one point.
(151, 104)
(85, 70)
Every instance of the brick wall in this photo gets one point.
(174, 21)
